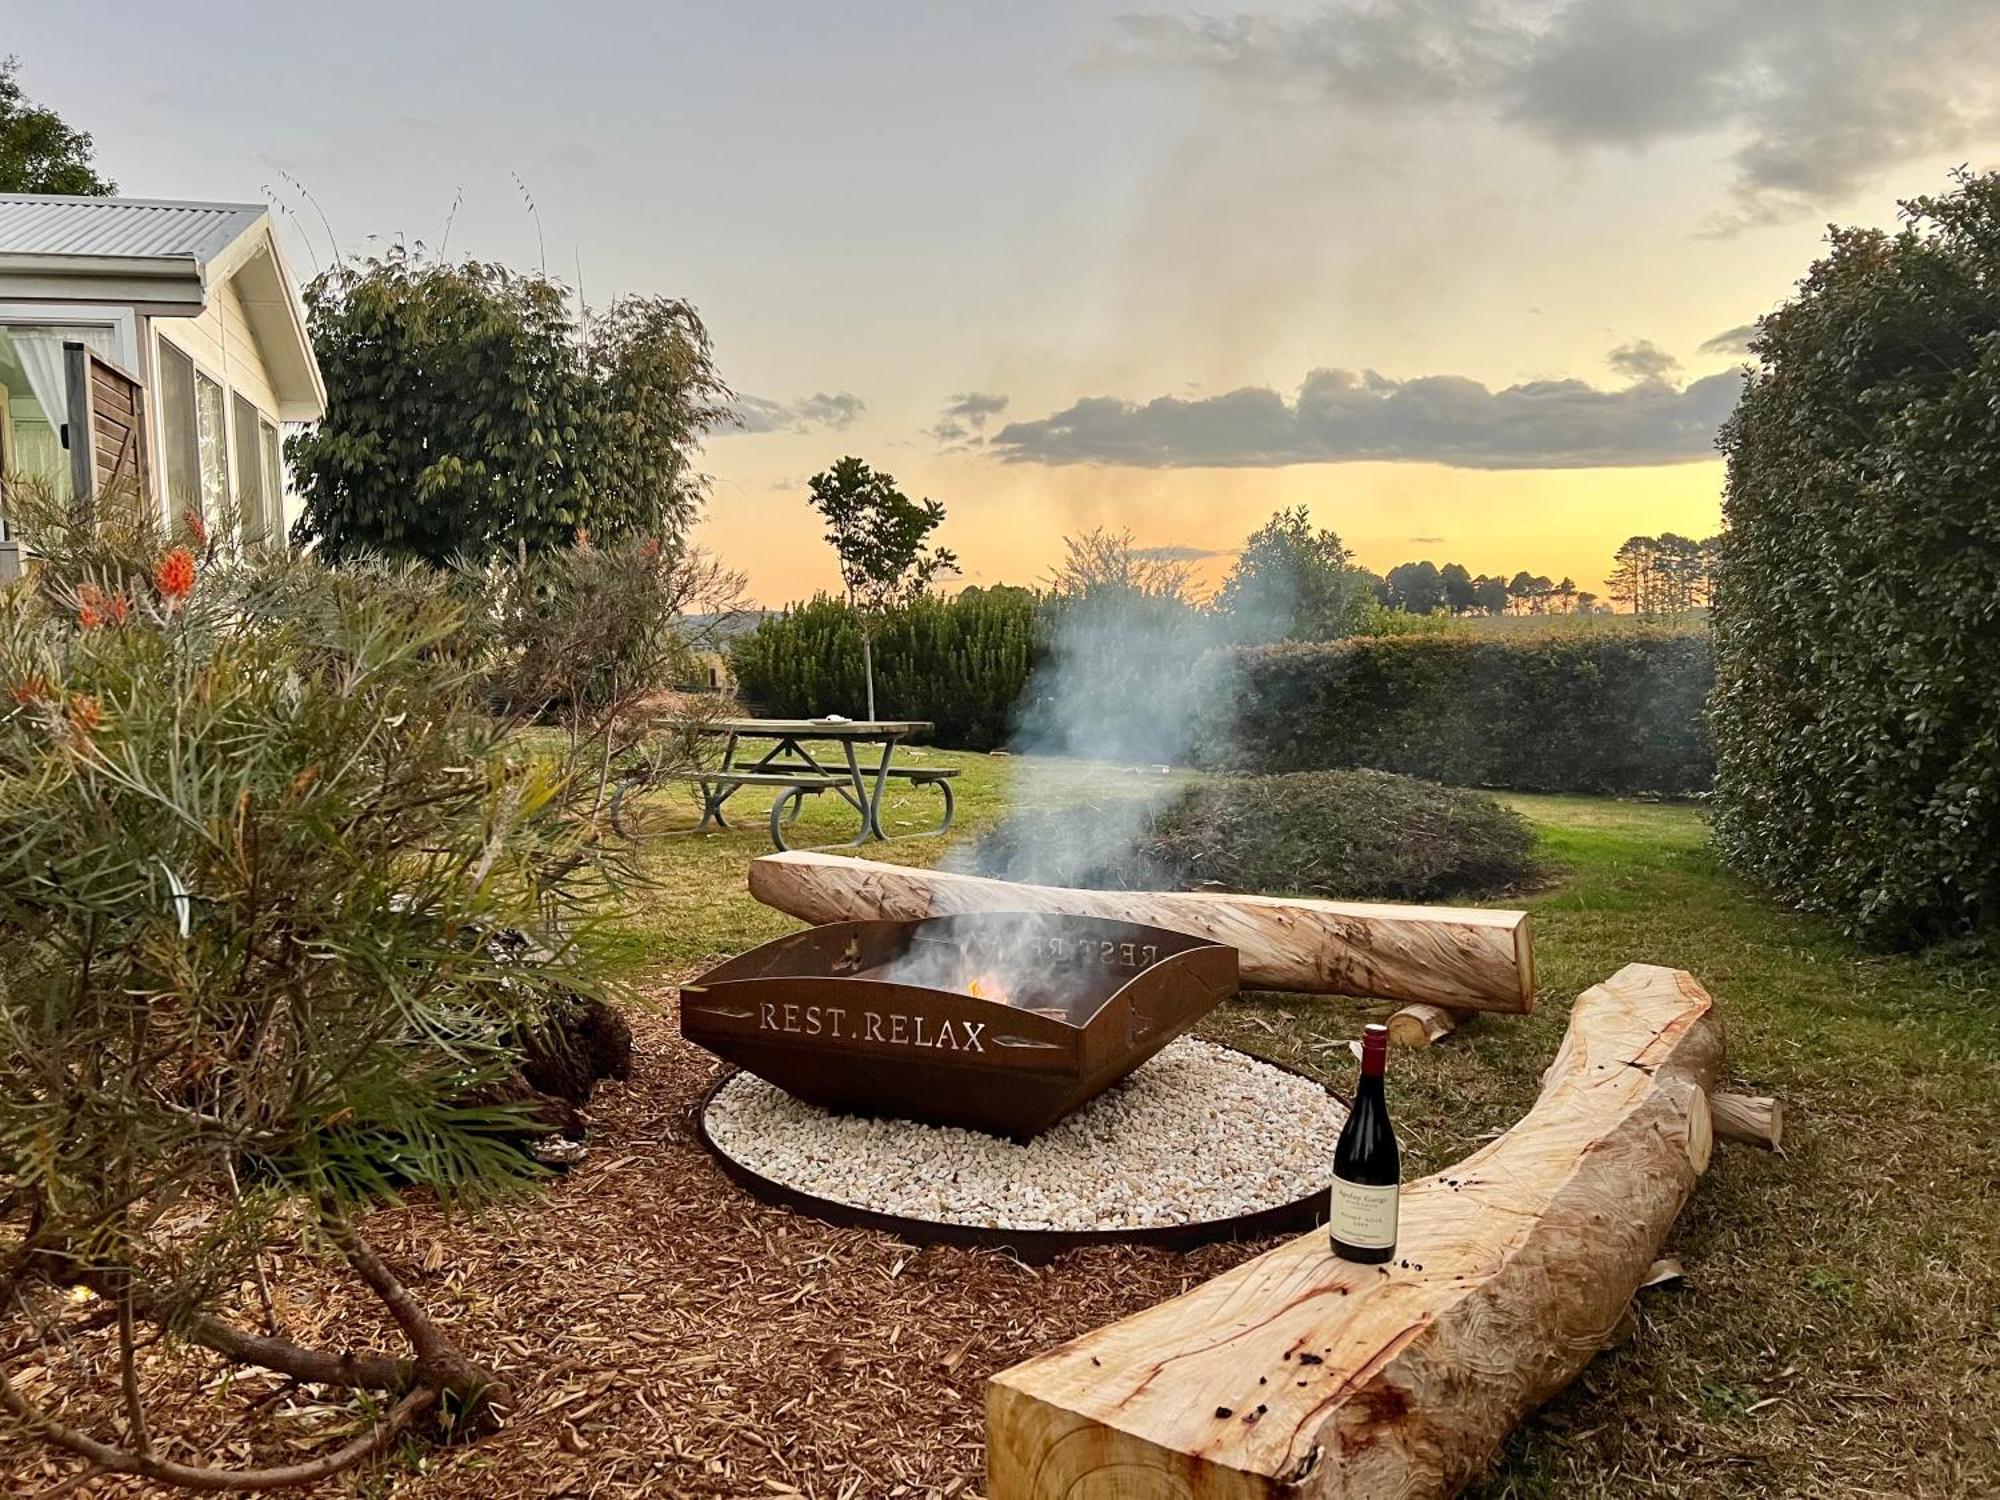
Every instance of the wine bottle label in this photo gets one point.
(1363, 1216)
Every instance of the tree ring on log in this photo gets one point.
(1293, 1212)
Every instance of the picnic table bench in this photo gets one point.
(791, 765)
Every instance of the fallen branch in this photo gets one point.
(1298, 1374)
(1462, 956)
(1421, 1024)
(1748, 1119)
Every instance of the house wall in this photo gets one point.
(224, 347)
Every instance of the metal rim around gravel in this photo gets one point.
(1308, 1212)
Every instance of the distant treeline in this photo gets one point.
(1651, 575)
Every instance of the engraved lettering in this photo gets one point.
(897, 1025)
(947, 1037)
(812, 1020)
(972, 1030)
(872, 1026)
(768, 1017)
(920, 1032)
(791, 1018)
(836, 1017)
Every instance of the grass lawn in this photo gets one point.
(1839, 1330)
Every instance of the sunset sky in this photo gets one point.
(1467, 278)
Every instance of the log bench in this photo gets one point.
(1302, 1375)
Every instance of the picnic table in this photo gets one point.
(791, 765)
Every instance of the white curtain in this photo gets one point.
(40, 352)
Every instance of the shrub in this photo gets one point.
(258, 842)
(1857, 616)
(1355, 835)
(1605, 712)
(961, 663)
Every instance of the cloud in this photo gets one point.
(1181, 553)
(1427, 541)
(962, 422)
(1731, 340)
(1815, 100)
(820, 411)
(1339, 416)
(1642, 359)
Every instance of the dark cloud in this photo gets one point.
(962, 423)
(1816, 99)
(1642, 359)
(1342, 417)
(1731, 341)
(820, 411)
(1427, 541)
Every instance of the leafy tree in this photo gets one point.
(39, 153)
(880, 536)
(1294, 583)
(1489, 594)
(1417, 588)
(470, 416)
(1458, 588)
(1858, 605)
(1101, 563)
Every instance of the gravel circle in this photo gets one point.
(1200, 1133)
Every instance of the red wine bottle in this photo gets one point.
(1367, 1168)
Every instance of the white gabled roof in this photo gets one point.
(35, 224)
(166, 257)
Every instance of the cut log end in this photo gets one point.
(1748, 1119)
(1421, 1024)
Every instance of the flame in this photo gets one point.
(986, 987)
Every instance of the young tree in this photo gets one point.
(469, 415)
(880, 537)
(39, 153)
(1294, 583)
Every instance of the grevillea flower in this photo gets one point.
(174, 577)
(195, 526)
(583, 538)
(31, 691)
(118, 608)
(650, 548)
(84, 714)
(88, 616)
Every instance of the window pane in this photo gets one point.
(249, 471)
(214, 455)
(274, 482)
(179, 437)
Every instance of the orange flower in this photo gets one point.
(84, 714)
(195, 526)
(88, 617)
(650, 548)
(31, 691)
(174, 577)
(120, 607)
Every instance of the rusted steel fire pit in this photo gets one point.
(1000, 1021)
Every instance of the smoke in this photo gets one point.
(1132, 687)
(1059, 966)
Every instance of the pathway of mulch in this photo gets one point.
(669, 1335)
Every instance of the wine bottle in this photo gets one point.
(1367, 1168)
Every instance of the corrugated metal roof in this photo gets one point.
(32, 224)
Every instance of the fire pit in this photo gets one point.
(1001, 1021)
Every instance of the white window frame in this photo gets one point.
(203, 371)
(123, 321)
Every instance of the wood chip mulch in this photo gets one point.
(669, 1335)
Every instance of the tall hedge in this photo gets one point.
(1608, 711)
(1857, 703)
(961, 663)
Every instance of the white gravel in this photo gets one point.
(1199, 1133)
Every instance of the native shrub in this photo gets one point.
(258, 840)
(1613, 711)
(1857, 614)
(1358, 835)
(961, 663)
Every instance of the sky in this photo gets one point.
(1469, 279)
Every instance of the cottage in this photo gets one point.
(151, 348)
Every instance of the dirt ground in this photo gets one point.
(666, 1334)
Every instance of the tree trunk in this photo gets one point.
(1467, 957)
(868, 669)
(1299, 1374)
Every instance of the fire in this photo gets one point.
(986, 987)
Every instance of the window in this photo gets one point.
(181, 446)
(34, 398)
(193, 436)
(274, 480)
(252, 501)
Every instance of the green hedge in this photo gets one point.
(1857, 706)
(960, 662)
(1609, 711)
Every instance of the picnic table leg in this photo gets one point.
(714, 794)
